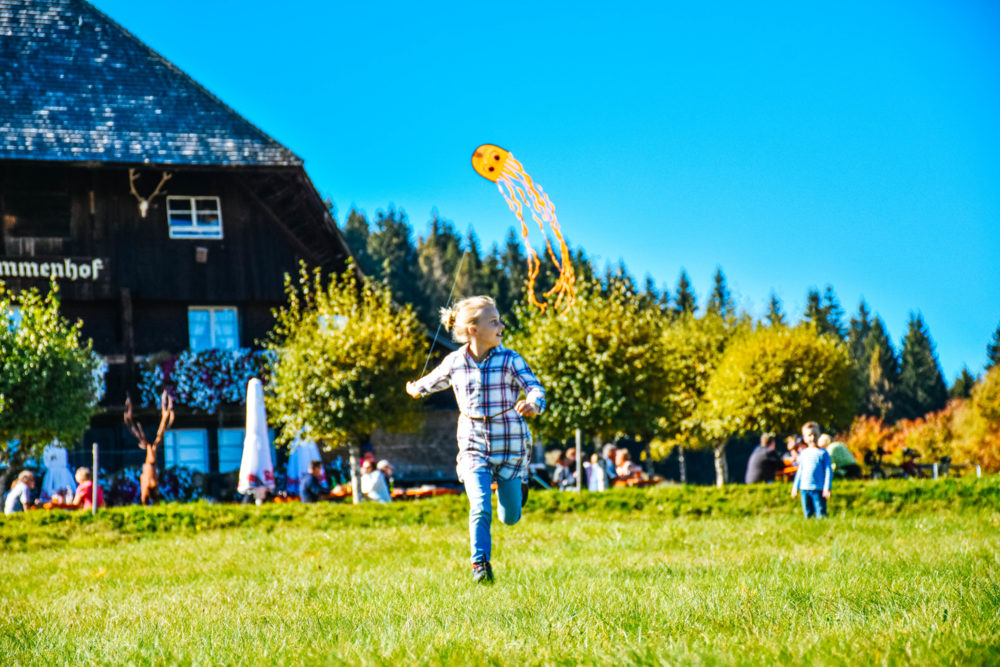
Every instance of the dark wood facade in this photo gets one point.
(137, 305)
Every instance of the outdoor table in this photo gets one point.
(786, 474)
(58, 506)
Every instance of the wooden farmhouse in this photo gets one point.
(167, 219)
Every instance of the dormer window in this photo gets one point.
(194, 217)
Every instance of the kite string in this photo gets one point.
(450, 294)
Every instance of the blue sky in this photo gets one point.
(795, 145)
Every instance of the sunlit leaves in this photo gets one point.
(343, 352)
(599, 363)
(48, 379)
(775, 379)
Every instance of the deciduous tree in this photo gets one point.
(600, 364)
(343, 353)
(50, 380)
(775, 379)
(692, 348)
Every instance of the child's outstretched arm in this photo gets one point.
(534, 392)
(436, 380)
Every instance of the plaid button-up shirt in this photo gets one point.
(490, 432)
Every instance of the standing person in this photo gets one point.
(814, 474)
(311, 487)
(597, 474)
(493, 439)
(764, 461)
(19, 497)
(608, 461)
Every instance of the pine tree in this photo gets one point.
(857, 334)
(685, 301)
(824, 313)
(881, 379)
(921, 383)
(395, 258)
(513, 262)
(357, 236)
(720, 301)
(962, 387)
(438, 259)
(834, 313)
(814, 309)
(993, 350)
(775, 315)
(650, 295)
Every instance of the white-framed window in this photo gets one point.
(213, 328)
(194, 217)
(187, 447)
(231, 448)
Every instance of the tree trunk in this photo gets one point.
(682, 464)
(720, 464)
(355, 455)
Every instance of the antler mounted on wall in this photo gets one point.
(144, 201)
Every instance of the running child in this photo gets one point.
(493, 438)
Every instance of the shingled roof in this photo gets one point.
(76, 86)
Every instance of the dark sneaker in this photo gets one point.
(524, 494)
(482, 573)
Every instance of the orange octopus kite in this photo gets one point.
(516, 186)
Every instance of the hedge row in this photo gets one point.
(44, 529)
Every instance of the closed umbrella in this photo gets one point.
(256, 466)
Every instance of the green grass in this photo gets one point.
(901, 574)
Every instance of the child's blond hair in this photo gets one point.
(464, 314)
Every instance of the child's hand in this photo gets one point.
(793, 493)
(526, 409)
(411, 389)
(826, 494)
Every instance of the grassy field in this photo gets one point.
(903, 573)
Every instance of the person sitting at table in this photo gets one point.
(84, 498)
(562, 476)
(374, 486)
(625, 467)
(795, 445)
(19, 497)
(764, 461)
(311, 487)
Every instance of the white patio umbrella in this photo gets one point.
(303, 452)
(256, 466)
(58, 477)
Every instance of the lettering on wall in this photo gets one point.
(73, 269)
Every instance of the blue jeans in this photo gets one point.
(813, 504)
(477, 487)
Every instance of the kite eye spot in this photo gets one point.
(492, 168)
(496, 157)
